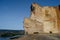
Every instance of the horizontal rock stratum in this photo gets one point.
(43, 19)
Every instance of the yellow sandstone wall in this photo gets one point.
(58, 18)
(43, 19)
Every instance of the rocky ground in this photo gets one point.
(40, 37)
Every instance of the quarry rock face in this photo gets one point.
(43, 19)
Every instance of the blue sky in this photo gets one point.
(12, 12)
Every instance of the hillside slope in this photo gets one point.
(40, 37)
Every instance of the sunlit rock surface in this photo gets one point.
(43, 19)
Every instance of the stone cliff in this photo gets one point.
(43, 19)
